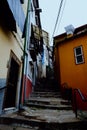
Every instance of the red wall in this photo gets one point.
(28, 88)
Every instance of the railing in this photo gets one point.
(78, 96)
(3, 88)
(8, 85)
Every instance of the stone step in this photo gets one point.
(49, 103)
(42, 89)
(51, 100)
(44, 119)
(15, 127)
(39, 92)
(45, 85)
(61, 107)
(46, 94)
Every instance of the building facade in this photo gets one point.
(45, 54)
(11, 51)
(18, 63)
(70, 61)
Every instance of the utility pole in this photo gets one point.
(24, 66)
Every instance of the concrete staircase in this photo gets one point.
(46, 85)
(48, 100)
(45, 110)
(55, 112)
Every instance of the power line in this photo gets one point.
(58, 16)
(61, 3)
(61, 16)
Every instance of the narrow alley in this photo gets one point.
(45, 110)
(42, 86)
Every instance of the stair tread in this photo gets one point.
(53, 100)
(59, 116)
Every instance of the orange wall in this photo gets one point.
(74, 75)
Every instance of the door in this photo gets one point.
(12, 80)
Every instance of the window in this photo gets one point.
(37, 20)
(79, 55)
(22, 1)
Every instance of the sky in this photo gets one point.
(72, 12)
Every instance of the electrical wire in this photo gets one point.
(58, 25)
(59, 11)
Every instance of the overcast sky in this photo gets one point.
(73, 12)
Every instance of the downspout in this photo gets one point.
(27, 26)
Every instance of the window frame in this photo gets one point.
(77, 55)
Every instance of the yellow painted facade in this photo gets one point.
(67, 71)
(11, 56)
(8, 42)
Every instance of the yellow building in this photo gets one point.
(70, 52)
(11, 51)
(19, 49)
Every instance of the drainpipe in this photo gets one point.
(27, 26)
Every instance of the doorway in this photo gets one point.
(12, 82)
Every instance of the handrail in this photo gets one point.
(3, 88)
(75, 100)
(81, 95)
(9, 84)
